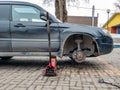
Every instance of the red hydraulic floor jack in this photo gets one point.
(51, 69)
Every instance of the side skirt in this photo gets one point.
(28, 53)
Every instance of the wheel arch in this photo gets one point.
(67, 40)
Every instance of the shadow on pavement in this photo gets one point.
(88, 64)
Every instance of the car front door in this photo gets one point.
(29, 32)
(5, 38)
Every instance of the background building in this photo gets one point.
(113, 24)
(82, 20)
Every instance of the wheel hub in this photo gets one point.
(78, 56)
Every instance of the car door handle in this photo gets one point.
(19, 25)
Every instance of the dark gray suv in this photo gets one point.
(23, 32)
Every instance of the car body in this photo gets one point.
(24, 32)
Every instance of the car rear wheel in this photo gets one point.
(6, 58)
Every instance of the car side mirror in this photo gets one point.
(43, 16)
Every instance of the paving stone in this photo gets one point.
(18, 88)
(38, 88)
(25, 73)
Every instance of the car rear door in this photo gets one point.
(29, 32)
(5, 38)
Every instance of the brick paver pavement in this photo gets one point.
(25, 73)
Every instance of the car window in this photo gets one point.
(26, 14)
(4, 12)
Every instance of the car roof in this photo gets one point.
(15, 2)
(19, 3)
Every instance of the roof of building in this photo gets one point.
(113, 21)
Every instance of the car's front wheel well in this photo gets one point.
(87, 44)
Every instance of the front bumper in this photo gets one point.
(105, 45)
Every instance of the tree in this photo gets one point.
(117, 4)
(60, 8)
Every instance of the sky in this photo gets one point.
(104, 4)
(83, 9)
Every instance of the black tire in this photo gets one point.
(6, 58)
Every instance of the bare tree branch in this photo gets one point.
(117, 4)
(68, 2)
(60, 7)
